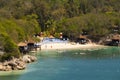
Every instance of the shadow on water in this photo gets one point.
(11, 75)
(109, 52)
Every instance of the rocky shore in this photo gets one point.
(17, 63)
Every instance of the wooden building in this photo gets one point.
(115, 41)
(23, 47)
(31, 45)
(82, 39)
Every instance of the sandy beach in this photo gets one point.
(55, 46)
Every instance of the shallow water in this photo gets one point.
(91, 64)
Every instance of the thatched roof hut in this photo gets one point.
(22, 44)
(51, 36)
(31, 41)
(116, 37)
(84, 37)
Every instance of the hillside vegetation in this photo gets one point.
(20, 19)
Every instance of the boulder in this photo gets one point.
(26, 59)
(1, 67)
(5, 63)
(13, 64)
(4, 68)
(20, 68)
(22, 64)
(8, 68)
(33, 58)
(29, 59)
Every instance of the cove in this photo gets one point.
(91, 64)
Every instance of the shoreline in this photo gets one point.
(20, 63)
(12, 72)
(17, 63)
(69, 46)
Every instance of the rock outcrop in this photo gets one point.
(29, 59)
(17, 64)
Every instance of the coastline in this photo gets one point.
(17, 63)
(69, 46)
(12, 72)
(20, 63)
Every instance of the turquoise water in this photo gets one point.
(99, 64)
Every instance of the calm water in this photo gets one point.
(102, 64)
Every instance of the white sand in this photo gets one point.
(54, 46)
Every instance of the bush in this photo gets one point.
(11, 47)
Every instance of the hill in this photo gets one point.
(20, 19)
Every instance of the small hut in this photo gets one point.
(31, 45)
(23, 47)
(82, 39)
(51, 36)
(115, 40)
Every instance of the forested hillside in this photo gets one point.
(20, 19)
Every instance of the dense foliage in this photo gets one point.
(20, 19)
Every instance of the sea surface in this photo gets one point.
(90, 64)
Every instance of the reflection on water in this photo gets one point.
(90, 64)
